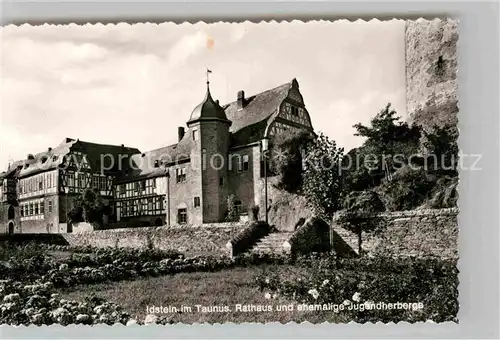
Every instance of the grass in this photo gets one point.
(223, 288)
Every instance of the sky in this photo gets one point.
(135, 84)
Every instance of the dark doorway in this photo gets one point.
(11, 213)
(11, 228)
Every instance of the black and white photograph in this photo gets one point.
(186, 173)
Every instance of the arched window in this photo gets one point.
(11, 213)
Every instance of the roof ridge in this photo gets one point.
(259, 93)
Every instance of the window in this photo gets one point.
(245, 162)
(295, 111)
(80, 181)
(237, 206)
(122, 189)
(22, 210)
(31, 209)
(157, 163)
(181, 175)
(103, 183)
(196, 202)
(40, 185)
(143, 185)
(182, 215)
(196, 134)
(221, 181)
(36, 208)
(42, 208)
(154, 183)
(50, 206)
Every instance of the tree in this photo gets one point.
(88, 207)
(389, 144)
(322, 176)
(388, 134)
(442, 147)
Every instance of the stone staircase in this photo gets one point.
(349, 237)
(272, 244)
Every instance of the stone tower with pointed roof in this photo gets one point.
(208, 127)
(220, 154)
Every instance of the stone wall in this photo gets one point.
(427, 232)
(431, 71)
(191, 240)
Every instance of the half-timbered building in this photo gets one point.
(219, 153)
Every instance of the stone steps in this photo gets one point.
(272, 243)
(348, 237)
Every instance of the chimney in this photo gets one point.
(241, 99)
(180, 132)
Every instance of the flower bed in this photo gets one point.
(38, 304)
(426, 288)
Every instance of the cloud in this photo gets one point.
(186, 47)
(134, 84)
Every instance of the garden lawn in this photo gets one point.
(222, 288)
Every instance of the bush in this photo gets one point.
(232, 213)
(408, 191)
(359, 284)
(367, 201)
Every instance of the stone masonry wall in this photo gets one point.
(431, 71)
(191, 240)
(427, 232)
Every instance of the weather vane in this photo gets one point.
(208, 72)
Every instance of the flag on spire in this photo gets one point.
(208, 71)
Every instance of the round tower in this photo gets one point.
(210, 133)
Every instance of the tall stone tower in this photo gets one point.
(210, 131)
(431, 72)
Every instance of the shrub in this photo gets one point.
(367, 201)
(88, 207)
(232, 213)
(408, 191)
(359, 284)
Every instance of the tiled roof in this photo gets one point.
(257, 107)
(143, 165)
(54, 157)
(248, 125)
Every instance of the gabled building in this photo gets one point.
(218, 154)
(37, 191)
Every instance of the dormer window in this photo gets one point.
(295, 111)
(54, 158)
(157, 163)
(44, 159)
